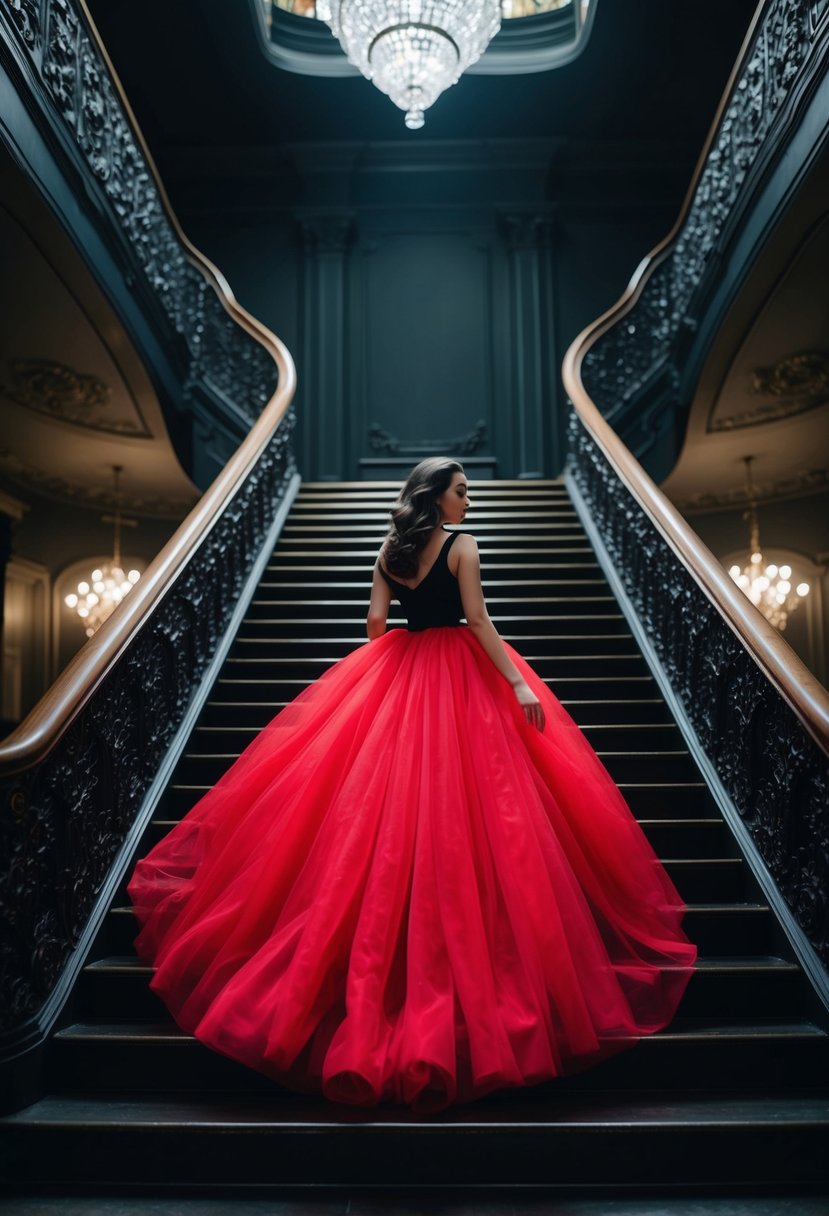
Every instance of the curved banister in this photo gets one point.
(793, 680)
(56, 710)
(54, 713)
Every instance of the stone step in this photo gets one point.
(530, 1138)
(722, 1055)
(116, 988)
(716, 928)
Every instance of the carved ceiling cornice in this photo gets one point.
(26, 476)
(805, 481)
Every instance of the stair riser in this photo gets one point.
(504, 510)
(374, 1155)
(539, 587)
(352, 605)
(592, 687)
(630, 736)
(330, 640)
(498, 529)
(255, 716)
(646, 803)
(251, 689)
(229, 737)
(299, 566)
(714, 933)
(658, 1063)
(668, 840)
(207, 769)
(271, 669)
(124, 995)
(350, 626)
(589, 713)
(700, 882)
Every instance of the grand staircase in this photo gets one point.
(735, 1092)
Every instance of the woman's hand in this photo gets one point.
(530, 704)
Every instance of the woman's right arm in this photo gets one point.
(378, 606)
(478, 620)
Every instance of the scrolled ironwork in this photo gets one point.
(774, 772)
(622, 360)
(64, 52)
(63, 822)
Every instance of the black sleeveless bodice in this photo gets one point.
(436, 600)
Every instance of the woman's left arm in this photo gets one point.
(378, 606)
(478, 620)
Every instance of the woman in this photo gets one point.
(418, 884)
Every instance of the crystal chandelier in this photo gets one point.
(412, 49)
(99, 595)
(767, 586)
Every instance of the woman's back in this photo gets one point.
(435, 600)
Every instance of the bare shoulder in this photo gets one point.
(464, 550)
(466, 543)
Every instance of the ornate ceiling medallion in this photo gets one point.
(803, 377)
(51, 388)
(791, 386)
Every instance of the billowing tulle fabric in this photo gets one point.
(403, 892)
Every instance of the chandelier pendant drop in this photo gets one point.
(412, 49)
(98, 596)
(769, 586)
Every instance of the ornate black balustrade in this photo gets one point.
(786, 55)
(51, 51)
(761, 733)
(774, 772)
(64, 820)
(79, 777)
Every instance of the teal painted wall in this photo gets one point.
(428, 292)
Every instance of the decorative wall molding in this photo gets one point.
(527, 230)
(327, 232)
(379, 440)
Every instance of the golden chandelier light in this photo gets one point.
(768, 586)
(99, 595)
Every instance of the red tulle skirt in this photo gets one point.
(403, 892)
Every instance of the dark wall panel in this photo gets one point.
(425, 291)
(426, 336)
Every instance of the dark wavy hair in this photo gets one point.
(415, 515)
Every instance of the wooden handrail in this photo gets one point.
(54, 713)
(798, 686)
(38, 733)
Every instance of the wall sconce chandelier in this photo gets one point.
(767, 586)
(412, 49)
(99, 595)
